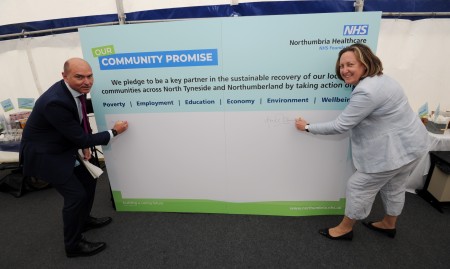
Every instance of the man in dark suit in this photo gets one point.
(52, 136)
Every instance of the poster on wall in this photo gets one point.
(211, 106)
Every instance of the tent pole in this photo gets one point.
(359, 5)
(24, 34)
(120, 12)
(32, 66)
(415, 14)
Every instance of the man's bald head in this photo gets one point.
(78, 74)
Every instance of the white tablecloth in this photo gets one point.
(8, 152)
(9, 157)
(438, 142)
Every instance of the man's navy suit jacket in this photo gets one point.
(53, 135)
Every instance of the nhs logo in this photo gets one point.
(358, 29)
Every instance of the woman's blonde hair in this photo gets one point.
(364, 54)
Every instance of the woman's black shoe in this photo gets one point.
(326, 233)
(388, 232)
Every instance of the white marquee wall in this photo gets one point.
(15, 11)
(416, 53)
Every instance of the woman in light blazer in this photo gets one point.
(387, 140)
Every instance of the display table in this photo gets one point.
(438, 142)
(15, 182)
(436, 189)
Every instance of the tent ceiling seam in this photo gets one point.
(55, 30)
(25, 34)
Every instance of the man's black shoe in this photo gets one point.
(94, 223)
(85, 248)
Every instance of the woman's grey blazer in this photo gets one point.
(385, 132)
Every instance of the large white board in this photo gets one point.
(211, 106)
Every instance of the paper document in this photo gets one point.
(94, 170)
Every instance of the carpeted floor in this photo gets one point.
(31, 237)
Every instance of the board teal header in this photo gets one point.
(159, 59)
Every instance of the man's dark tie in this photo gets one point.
(86, 125)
